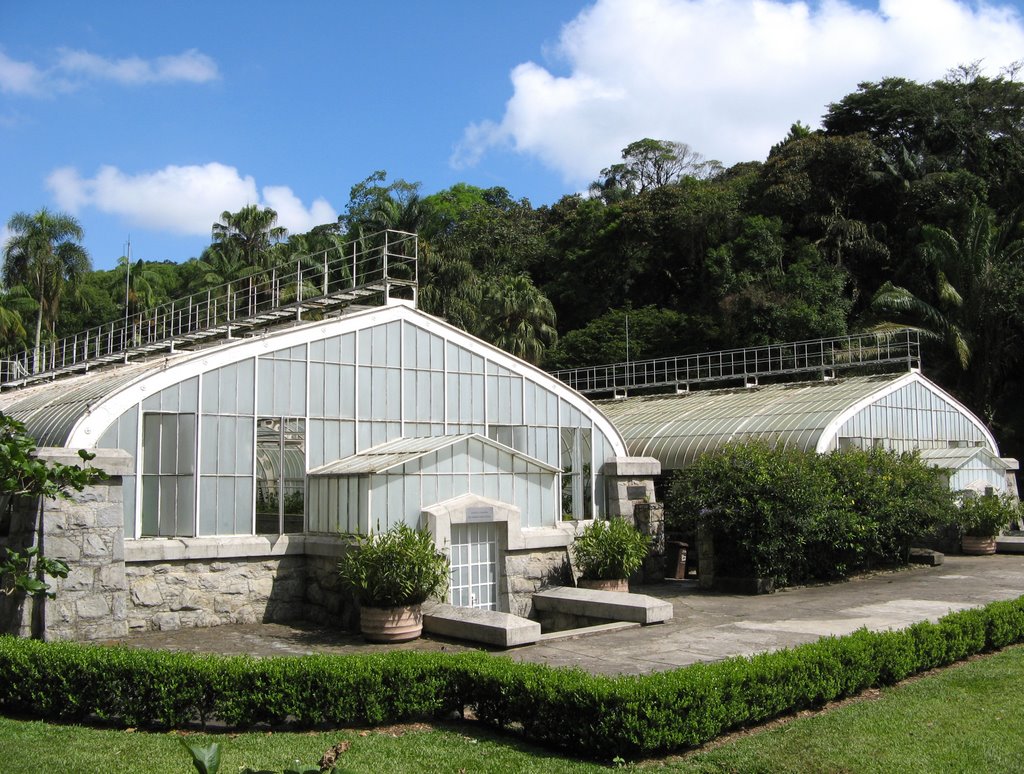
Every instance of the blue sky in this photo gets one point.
(149, 119)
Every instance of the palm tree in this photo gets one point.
(450, 286)
(965, 305)
(220, 264)
(251, 231)
(15, 304)
(138, 285)
(44, 256)
(518, 317)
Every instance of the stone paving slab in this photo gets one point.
(706, 626)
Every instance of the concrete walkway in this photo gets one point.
(706, 626)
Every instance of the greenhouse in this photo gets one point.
(895, 411)
(244, 458)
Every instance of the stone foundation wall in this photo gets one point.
(326, 602)
(176, 595)
(527, 572)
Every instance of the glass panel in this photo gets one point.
(208, 505)
(294, 467)
(268, 473)
(266, 386)
(225, 506)
(318, 386)
(150, 504)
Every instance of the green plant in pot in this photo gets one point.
(608, 552)
(981, 519)
(391, 574)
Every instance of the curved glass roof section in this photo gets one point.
(51, 410)
(676, 429)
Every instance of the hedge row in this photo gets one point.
(590, 715)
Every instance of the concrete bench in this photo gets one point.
(472, 623)
(604, 605)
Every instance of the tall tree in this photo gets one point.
(518, 317)
(970, 299)
(250, 233)
(43, 254)
(648, 164)
(449, 285)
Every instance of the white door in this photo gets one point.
(474, 563)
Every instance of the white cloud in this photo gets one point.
(728, 77)
(292, 214)
(181, 200)
(191, 66)
(74, 68)
(19, 77)
(5, 234)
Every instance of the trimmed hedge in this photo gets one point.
(590, 715)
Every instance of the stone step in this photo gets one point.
(605, 605)
(490, 627)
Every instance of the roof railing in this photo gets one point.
(871, 351)
(367, 270)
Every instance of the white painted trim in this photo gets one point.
(153, 549)
(832, 428)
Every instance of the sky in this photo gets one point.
(147, 120)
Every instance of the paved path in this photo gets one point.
(706, 626)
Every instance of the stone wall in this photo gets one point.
(87, 532)
(527, 572)
(649, 518)
(182, 582)
(176, 595)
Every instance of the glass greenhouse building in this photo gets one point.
(346, 425)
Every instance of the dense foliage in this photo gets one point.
(790, 516)
(987, 515)
(24, 475)
(591, 715)
(395, 568)
(610, 550)
(902, 209)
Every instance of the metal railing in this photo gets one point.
(364, 271)
(747, 365)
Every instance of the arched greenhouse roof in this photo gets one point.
(677, 429)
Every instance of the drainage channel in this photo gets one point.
(583, 631)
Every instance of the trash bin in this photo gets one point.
(676, 551)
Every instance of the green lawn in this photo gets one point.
(967, 718)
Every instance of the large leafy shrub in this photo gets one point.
(762, 504)
(889, 498)
(987, 515)
(791, 516)
(610, 550)
(395, 568)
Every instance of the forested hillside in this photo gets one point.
(905, 208)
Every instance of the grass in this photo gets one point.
(965, 718)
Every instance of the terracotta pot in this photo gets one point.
(617, 584)
(978, 546)
(391, 624)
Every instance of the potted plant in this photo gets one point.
(981, 519)
(391, 574)
(608, 552)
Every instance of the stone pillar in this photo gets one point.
(706, 555)
(629, 481)
(87, 532)
(649, 518)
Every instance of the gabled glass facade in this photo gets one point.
(225, 449)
